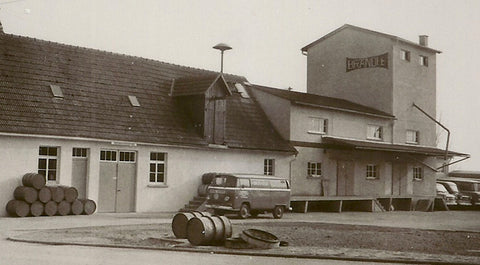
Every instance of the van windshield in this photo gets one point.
(224, 181)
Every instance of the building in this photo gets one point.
(364, 129)
(133, 134)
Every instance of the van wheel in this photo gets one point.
(244, 212)
(278, 212)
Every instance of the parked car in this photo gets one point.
(442, 192)
(469, 187)
(453, 189)
(248, 195)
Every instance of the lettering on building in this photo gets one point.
(369, 62)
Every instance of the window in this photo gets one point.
(314, 169)
(417, 173)
(127, 156)
(79, 152)
(423, 60)
(405, 55)
(108, 156)
(318, 125)
(372, 172)
(56, 91)
(412, 136)
(157, 167)
(278, 184)
(134, 101)
(260, 183)
(268, 167)
(48, 162)
(243, 183)
(375, 132)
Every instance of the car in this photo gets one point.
(453, 189)
(443, 193)
(248, 195)
(469, 187)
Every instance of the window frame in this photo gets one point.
(415, 134)
(269, 167)
(417, 173)
(318, 125)
(314, 167)
(377, 128)
(405, 55)
(49, 157)
(372, 172)
(423, 60)
(79, 153)
(156, 162)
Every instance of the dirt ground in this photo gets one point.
(297, 234)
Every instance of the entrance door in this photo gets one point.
(345, 178)
(398, 171)
(117, 181)
(79, 171)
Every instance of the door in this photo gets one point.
(345, 178)
(117, 181)
(399, 171)
(79, 171)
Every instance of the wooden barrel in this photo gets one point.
(200, 231)
(70, 193)
(44, 195)
(89, 206)
(34, 180)
(207, 178)
(17, 208)
(76, 207)
(36, 208)
(50, 208)
(57, 193)
(63, 208)
(27, 194)
(180, 221)
(203, 190)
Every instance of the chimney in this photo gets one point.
(423, 40)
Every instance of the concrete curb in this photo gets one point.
(248, 252)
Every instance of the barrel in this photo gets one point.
(36, 208)
(34, 180)
(207, 178)
(203, 190)
(180, 220)
(27, 194)
(89, 206)
(57, 193)
(70, 193)
(76, 207)
(44, 195)
(17, 208)
(50, 208)
(208, 230)
(63, 208)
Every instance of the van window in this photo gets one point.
(278, 184)
(244, 183)
(467, 186)
(230, 181)
(218, 181)
(260, 183)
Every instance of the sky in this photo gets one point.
(266, 37)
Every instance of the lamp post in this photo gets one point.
(222, 47)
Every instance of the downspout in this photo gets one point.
(291, 169)
(441, 125)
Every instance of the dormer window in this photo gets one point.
(134, 101)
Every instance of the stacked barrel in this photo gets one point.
(34, 198)
(201, 228)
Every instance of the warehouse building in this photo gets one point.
(365, 129)
(133, 134)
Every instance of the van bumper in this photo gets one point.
(220, 207)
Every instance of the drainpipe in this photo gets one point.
(441, 125)
(290, 171)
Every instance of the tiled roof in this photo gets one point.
(194, 85)
(96, 86)
(393, 37)
(322, 101)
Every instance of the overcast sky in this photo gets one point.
(267, 36)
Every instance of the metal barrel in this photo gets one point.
(50, 208)
(208, 230)
(180, 221)
(63, 208)
(44, 195)
(70, 193)
(34, 180)
(36, 208)
(17, 208)
(89, 206)
(76, 207)
(27, 194)
(57, 193)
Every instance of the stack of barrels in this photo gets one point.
(34, 198)
(206, 181)
(201, 228)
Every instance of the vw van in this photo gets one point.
(248, 195)
(469, 187)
